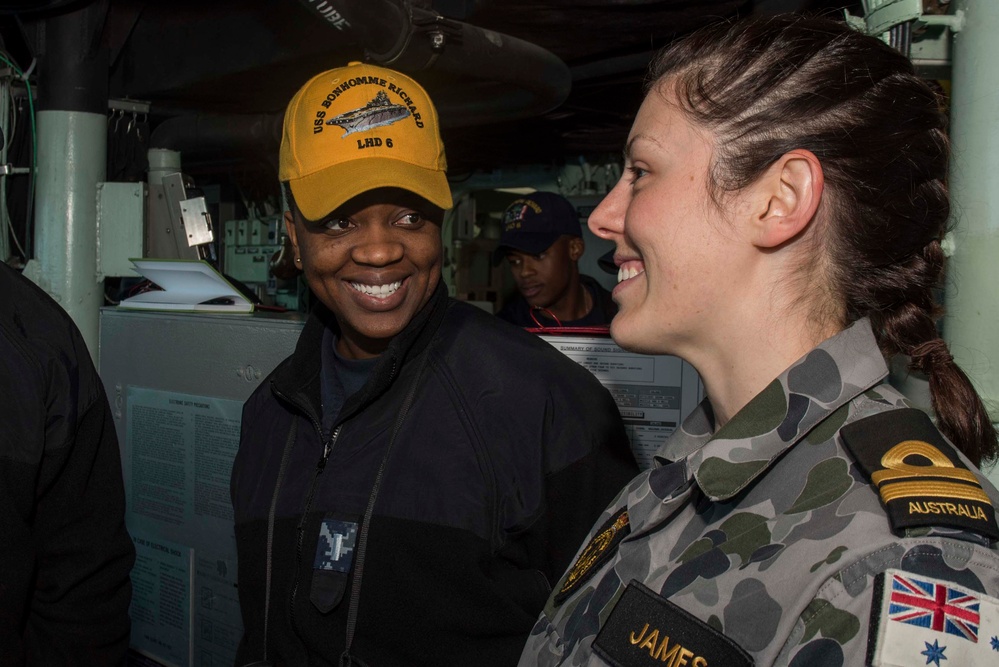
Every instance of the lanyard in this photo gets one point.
(345, 658)
(362, 541)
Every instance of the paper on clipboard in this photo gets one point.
(188, 285)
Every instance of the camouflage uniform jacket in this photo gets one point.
(762, 544)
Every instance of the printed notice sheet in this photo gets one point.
(653, 392)
(161, 600)
(177, 462)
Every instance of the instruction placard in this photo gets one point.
(177, 463)
(654, 393)
(161, 600)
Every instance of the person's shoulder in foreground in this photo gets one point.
(526, 371)
(766, 542)
(67, 555)
(537, 411)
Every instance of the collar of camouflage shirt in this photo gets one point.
(807, 393)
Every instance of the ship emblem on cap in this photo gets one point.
(379, 111)
(514, 214)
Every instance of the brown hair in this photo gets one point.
(768, 85)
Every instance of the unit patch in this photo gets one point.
(595, 554)
(645, 629)
(918, 475)
(917, 620)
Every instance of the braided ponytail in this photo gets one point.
(961, 415)
(770, 85)
(898, 296)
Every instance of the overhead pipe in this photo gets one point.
(499, 77)
(197, 134)
(502, 77)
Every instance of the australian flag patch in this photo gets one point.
(918, 620)
(931, 604)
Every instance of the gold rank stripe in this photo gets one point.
(882, 476)
(896, 466)
(897, 490)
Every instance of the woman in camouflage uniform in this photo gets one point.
(779, 227)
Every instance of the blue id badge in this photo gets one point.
(335, 548)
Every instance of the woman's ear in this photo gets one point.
(576, 248)
(788, 196)
(289, 225)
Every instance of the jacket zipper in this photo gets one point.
(320, 466)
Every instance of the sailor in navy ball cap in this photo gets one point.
(542, 241)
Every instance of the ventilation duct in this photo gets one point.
(482, 76)
(502, 77)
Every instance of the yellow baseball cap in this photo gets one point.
(356, 128)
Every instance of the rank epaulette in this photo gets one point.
(921, 480)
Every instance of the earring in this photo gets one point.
(298, 260)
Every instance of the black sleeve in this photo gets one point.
(516, 311)
(577, 494)
(78, 614)
(584, 460)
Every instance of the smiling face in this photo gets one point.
(374, 262)
(546, 279)
(681, 261)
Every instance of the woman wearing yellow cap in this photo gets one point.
(412, 480)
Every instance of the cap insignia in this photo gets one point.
(376, 113)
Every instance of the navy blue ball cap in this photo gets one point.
(533, 223)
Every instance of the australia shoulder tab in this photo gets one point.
(917, 473)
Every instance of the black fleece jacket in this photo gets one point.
(518, 311)
(507, 454)
(66, 556)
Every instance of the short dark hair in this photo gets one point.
(289, 198)
(769, 85)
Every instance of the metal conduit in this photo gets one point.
(497, 77)
(504, 78)
(199, 134)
